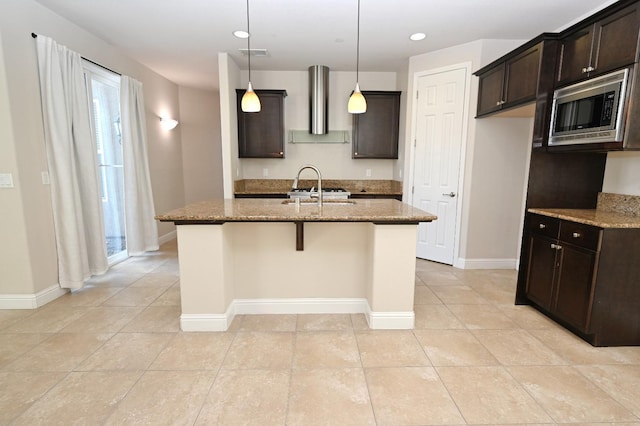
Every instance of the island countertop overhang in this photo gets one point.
(383, 211)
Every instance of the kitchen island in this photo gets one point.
(270, 256)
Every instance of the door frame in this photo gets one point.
(463, 149)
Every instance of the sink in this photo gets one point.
(313, 202)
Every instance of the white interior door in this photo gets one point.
(439, 132)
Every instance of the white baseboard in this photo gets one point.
(299, 306)
(31, 301)
(221, 322)
(168, 237)
(391, 320)
(204, 322)
(485, 263)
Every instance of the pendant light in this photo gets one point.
(250, 101)
(357, 103)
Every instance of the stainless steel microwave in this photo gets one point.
(590, 111)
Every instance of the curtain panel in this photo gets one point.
(141, 228)
(72, 160)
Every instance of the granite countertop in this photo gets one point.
(594, 217)
(612, 211)
(274, 210)
(283, 186)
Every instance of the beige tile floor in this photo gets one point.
(113, 353)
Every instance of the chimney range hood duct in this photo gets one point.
(318, 99)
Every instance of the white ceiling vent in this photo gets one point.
(255, 52)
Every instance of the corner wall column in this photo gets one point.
(206, 277)
(391, 284)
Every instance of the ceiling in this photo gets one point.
(181, 39)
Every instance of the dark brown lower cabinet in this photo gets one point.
(364, 195)
(575, 285)
(561, 279)
(542, 267)
(585, 277)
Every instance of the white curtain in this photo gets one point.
(141, 229)
(77, 212)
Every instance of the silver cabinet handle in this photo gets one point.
(585, 70)
(556, 246)
(590, 68)
(542, 226)
(498, 103)
(451, 194)
(576, 235)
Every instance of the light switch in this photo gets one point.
(265, 172)
(6, 180)
(368, 172)
(45, 178)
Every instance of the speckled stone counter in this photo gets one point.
(274, 210)
(260, 256)
(612, 211)
(282, 186)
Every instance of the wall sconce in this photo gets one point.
(168, 123)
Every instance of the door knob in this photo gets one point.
(451, 194)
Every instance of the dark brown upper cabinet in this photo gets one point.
(511, 82)
(261, 134)
(523, 76)
(598, 47)
(375, 132)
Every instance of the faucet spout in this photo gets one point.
(315, 169)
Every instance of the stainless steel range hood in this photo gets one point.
(318, 99)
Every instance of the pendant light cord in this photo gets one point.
(249, 41)
(357, 46)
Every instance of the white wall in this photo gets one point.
(201, 149)
(493, 166)
(14, 257)
(229, 73)
(404, 133)
(333, 160)
(500, 164)
(622, 173)
(28, 221)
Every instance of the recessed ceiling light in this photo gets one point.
(418, 36)
(241, 34)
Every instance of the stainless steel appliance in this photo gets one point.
(591, 111)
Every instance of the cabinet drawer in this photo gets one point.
(543, 225)
(580, 235)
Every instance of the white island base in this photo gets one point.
(243, 268)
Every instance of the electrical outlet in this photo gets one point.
(237, 172)
(368, 172)
(400, 173)
(45, 178)
(265, 172)
(6, 180)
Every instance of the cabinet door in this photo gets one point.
(540, 270)
(575, 55)
(490, 90)
(375, 132)
(616, 40)
(261, 134)
(521, 76)
(575, 285)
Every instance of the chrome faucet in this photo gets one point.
(314, 168)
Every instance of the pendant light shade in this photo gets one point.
(250, 101)
(357, 103)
